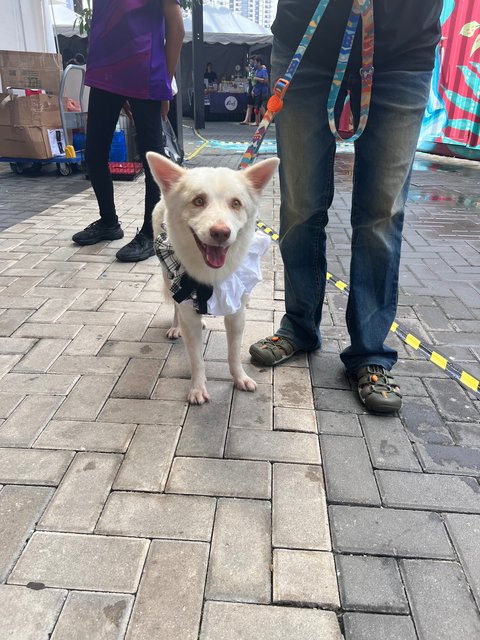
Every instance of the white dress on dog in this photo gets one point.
(226, 297)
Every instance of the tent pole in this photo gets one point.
(198, 52)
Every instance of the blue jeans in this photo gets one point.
(383, 162)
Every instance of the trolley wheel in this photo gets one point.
(64, 168)
(17, 167)
(37, 167)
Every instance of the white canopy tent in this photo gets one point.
(222, 26)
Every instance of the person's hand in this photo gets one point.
(165, 106)
(127, 110)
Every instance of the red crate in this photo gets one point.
(125, 170)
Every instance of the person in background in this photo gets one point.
(134, 47)
(210, 74)
(406, 35)
(250, 98)
(261, 91)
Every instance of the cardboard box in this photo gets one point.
(28, 142)
(35, 110)
(24, 69)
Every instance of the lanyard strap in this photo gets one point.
(365, 9)
(275, 102)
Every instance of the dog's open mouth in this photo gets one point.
(213, 255)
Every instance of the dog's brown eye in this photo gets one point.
(199, 201)
(236, 204)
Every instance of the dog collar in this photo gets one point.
(182, 287)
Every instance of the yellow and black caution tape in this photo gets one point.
(465, 378)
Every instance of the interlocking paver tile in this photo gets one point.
(239, 568)
(81, 495)
(306, 578)
(145, 411)
(48, 330)
(169, 600)
(79, 561)
(28, 614)
(356, 486)
(27, 421)
(12, 319)
(42, 383)
(148, 459)
(452, 401)
(229, 478)
(238, 621)
(294, 419)
(8, 402)
(254, 411)
(438, 458)
(89, 340)
(464, 530)
(108, 437)
(40, 358)
(389, 532)
(28, 466)
(429, 491)
(299, 524)
(368, 583)
(292, 388)
(205, 427)
(341, 424)
(87, 398)
(441, 602)
(465, 433)
(138, 379)
(135, 349)
(388, 444)
(96, 616)
(370, 626)
(423, 422)
(150, 515)
(20, 509)
(276, 446)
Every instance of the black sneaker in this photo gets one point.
(96, 232)
(140, 248)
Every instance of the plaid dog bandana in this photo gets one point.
(183, 286)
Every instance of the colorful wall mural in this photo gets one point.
(452, 120)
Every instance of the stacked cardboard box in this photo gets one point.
(27, 121)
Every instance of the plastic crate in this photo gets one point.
(125, 170)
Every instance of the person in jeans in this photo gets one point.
(134, 47)
(261, 91)
(406, 35)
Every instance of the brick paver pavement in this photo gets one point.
(290, 514)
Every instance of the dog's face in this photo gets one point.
(210, 213)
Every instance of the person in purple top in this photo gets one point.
(134, 47)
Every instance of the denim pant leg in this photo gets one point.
(383, 163)
(307, 150)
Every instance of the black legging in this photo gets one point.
(103, 113)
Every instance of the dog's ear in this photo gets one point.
(165, 172)
(260, 174)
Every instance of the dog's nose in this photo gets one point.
(220, 232)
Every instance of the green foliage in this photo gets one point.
(84, 19)
(187, 4)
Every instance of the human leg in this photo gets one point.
(147, 118)
(383, 161)
(306, 149)
(103, 111)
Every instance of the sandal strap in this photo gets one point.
(277, 343)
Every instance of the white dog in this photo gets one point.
(204, 229)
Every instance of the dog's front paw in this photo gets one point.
(173, 333)
(198, 395)
(245, 383)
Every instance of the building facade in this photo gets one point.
(260, 11)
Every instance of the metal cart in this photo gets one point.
(71, 120)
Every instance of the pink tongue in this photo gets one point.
(216, 255)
